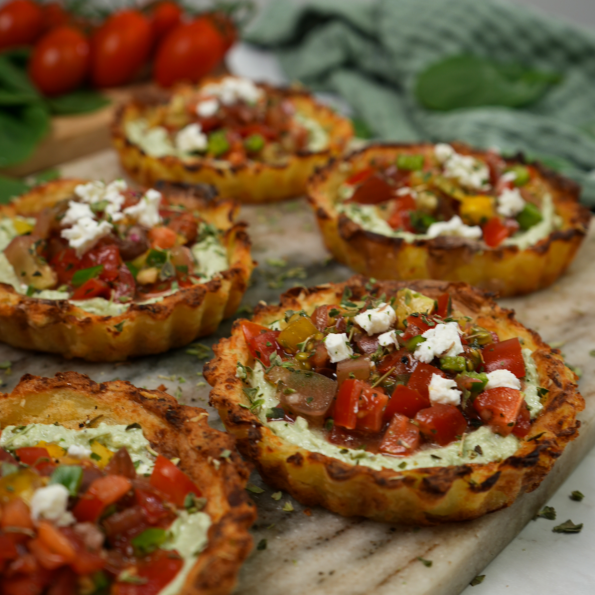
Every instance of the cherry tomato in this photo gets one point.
(60, 61)
(373, 190)
(262, 341)
(188, 53)
(119, 48)
(399, 218)
(506, 355)
(20, 23)
(106, 255)
(421, 377)
(31, 454)
(92, 288)
(154, 572)
(65, 264)
(370, 408)
(166, 16)
(225, 26)
(441, 424)
(499, 408)
(400, 362)
(495, 232)
(359, 176)
(101, 493)
(523, 423)
(346, 405)
(405, 401)
(54, 16)
(173, 482)
(444, 305)
(401, 437)
(162, 237)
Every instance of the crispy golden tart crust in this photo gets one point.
(249, 182)
(507, 270)
(174, 431)
(416, 496)
(60, 326)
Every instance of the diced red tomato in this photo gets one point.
(8, 549)
(86, 562)
(155, 571)
(265, 131)
(415, 326)
(346, 405)
(373, 190)
(401, 437)
(162, 237)
(523, 423)
(499, 408)
(151, 505)
(64, 582)
(444, 305)
(495, 232)
(125, 285)
(92, 288)
(262, 341)
(360, 176)
(441, 424)
(46, 557)
(405, 401)
(16, 514)
(65, 264)
(399, 361)
(107, 255)
(421, 377)
(32, 583)
(371, 404)
(320, 317)
(55, 541)
(399, 218)
(31, 454)
(101, 493)
(506, 355)
(171, 481)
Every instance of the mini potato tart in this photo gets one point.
(103, 272)
(417, 402)
(110, 488)
(253, 142)
(449, 212)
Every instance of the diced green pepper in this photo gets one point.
(218, 144)
(529, 216)
(412, 344)
(254, 143)
(453, 364)
(522, 174)
(421, 221)
(149, 540)
(410, 162)
(70, 476)
(474, 382)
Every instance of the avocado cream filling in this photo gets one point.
(157, 142)
(493, 447)
(367, 217)
(188, 534)
(209, 253)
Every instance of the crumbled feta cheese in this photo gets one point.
(51, 503)
(389, 338)
(337, 345)
(466, 169)
(444, 391)
(346, 191)
(443, 152)
(503, 379)
(79, 452)
(454, 227)
(440, 341)
(377, 320)
(146, 210)
(207, 108)
(509, 176)
(232, 89)
(97, 191)
(85, 233)
(405, 190)
(510, 203)
(191, 138)
(76, 211)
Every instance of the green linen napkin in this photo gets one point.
(371, 52)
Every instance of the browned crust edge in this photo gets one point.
(174, 431)
(250, 182)
(450, 258)
(59, 326)
(417, 496)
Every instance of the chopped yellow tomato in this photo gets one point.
(104, 454)
(20, 485)
(22, 226)
(296, 332)
(409, 302)
(476, 210)
(55, 451)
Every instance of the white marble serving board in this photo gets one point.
(314, 551)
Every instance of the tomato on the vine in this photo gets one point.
(226, 27)
(119, 48)
(166, 16)
(54, 16)
(60, 61)
(20, 23)
(189, 52)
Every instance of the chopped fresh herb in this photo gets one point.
(277, 495)
(201, 351)
(119, 326)
(568, 527)
(30, 290)
(95, 456)
(477, 580)
(402, 465)
(225, 454)
(427, 563)
(84, 275)
(577, 496)
(329, 423)
(192, 503)
(254, 489)
(70, 476)
(156, 258)
(275, 413)
(262, 545)
(287, 507)
(547, 512)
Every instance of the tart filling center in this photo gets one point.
(108, 247)
(232, 120)
(395, 383)
(439, 192)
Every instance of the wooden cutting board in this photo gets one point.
(315, 551)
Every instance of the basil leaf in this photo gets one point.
(149, 540)
(70, 476)
(11, 188)
(361, 129)
(156, 257)
(15, 86)
(47, 175)
(82, 276)
(77, 102)
(22, 128)
(472, 81)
